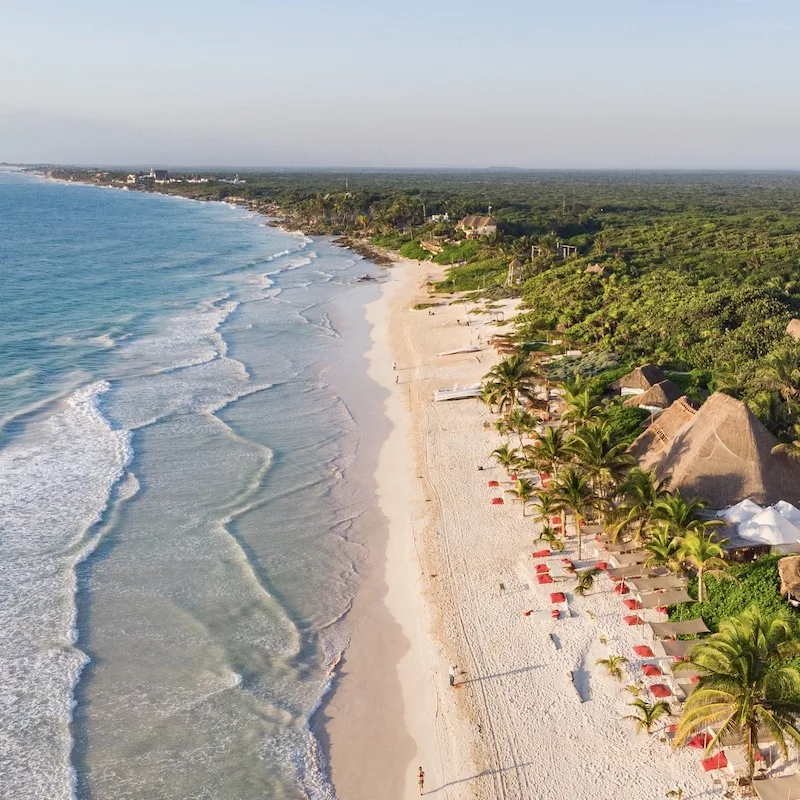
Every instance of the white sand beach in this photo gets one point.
(459, 577)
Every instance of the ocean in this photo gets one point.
(186, 506)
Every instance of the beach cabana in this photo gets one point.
(719, 761)
(656, 398)
(741, 512)
(666, 630)
(786, 788)
(645, 585)
(639, 380)
(668, 598)
(627, 559)
(676, 648)
(773, 529)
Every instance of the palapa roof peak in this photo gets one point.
(643, 378)
(661, 395)
(658, 437)
(721, 453)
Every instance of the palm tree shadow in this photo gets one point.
(486, 773)
(519, 671)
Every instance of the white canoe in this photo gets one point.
(457, 393)
(458, 350)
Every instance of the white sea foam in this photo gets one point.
(54, 486)
(18, 378)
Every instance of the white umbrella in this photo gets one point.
(741, 512)
(792, 513)
(770, 527)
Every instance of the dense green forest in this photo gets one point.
(698, 272)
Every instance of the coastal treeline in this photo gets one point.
(697, 272)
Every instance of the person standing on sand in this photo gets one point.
(421, 780)
(452, 674)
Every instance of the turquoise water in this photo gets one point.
(184, 501)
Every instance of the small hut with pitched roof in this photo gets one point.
(656, 398)
(639, 380)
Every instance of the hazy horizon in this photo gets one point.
(528, 85)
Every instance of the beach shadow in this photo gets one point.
(519, 671)
(485, 774)
(580, 679)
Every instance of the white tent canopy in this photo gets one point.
(741, 512)
(787, 510)
(770, 527)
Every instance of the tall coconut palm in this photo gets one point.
(743, 686)
(519, 422)
(640, 492)
(549, 450)
(509, 382)
(705, 555)
(506, 456)
(573, 491)
(524, 490)
(682, 516)
(663, 549)
(604, 460)
(647, 714)
(581, 408)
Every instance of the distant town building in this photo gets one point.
(476, 226)
(159, 175)
(440, 217)
(132, 177)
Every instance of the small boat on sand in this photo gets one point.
(457, 393)
(471, 349)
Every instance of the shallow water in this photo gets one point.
(185, 506)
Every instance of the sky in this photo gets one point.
(677, 84)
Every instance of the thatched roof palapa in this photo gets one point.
(642, 378)
(661, 395)
(789, 570)
(660, 434)
(721, 453)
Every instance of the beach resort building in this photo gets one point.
(639, 380)
(159, 175)
(721, 452)
(656, 398)
(476, 226)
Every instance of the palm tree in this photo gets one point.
(640, 493)
(551, 537)
(604, 460)
(664, 549)
(705, 555)
(506, 456)
(581, 408)
(647, 714)
(613, 665)
(519, 422)
(682, 516)
(572, 491)
(586, 580)
(509, 382)
(780, 372)
(743, 685)
(524, 490)
(549, 450)
(792, 448)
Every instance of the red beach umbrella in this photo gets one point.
(643, 651)
(631, 604)
(601, 565)
(660, 690)
(497, 501)
(543, 579)
(621, 588)
(558, 597)
(699, 741)
(651, 670)
(542, 554)
(633, 619)
(493, 483)
(542, 568)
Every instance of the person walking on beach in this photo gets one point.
(421, 780)
(452, 674)
(394, 366)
